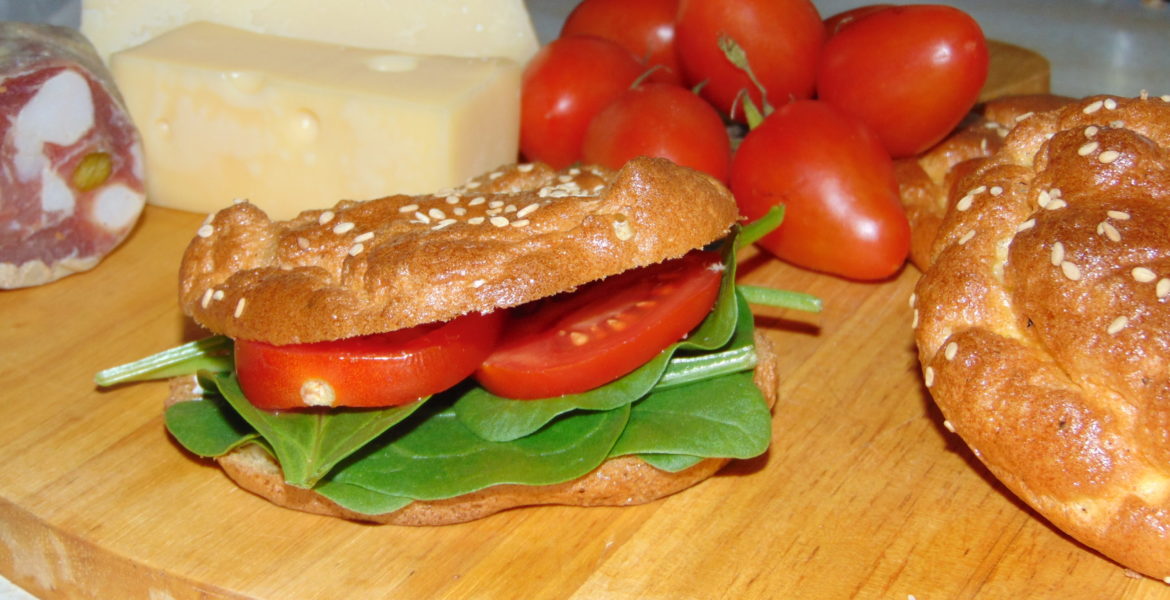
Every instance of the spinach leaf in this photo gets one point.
(435, 456)
(360, 499)
(208, 427)
(208, 354)
(308, 444)
(671, 462)
(499, 419)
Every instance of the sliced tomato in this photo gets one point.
(385, 369)
(575, 342)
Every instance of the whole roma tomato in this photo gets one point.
(782, 40)
(909, 72)
(842, 213)
(834, 23)
(564, 86)
(645, 28)
(663, 120)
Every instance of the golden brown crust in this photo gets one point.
(925, 181)
(1043, 324)
(503, 239)
(621, 481)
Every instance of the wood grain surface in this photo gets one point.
(863, 494)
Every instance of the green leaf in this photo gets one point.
(435, 456)
(781, 298)
(209, 354)
(501, 419)
(360, 499)
(752, 232)
(672, 463)
(308, 444)
(722, 417)
(739, 354)
(208, 427)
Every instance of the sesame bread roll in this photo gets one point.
(1043, 321)
(503, 239)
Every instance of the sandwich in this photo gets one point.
(1042, 320)
(532, 337)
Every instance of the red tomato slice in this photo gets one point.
(575, 342)
(386, 369)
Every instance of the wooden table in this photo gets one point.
(864, 494)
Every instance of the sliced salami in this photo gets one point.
(71, 171)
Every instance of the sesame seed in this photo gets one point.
(1108, 156)
(1026, 225)
(1087, 149)
(425, 220)
(914, 319)
(967, 237)
(1110, 104)
(365, 237)
(978, 190)
(494, 175)
(928, 376)
(1119, 215)
(964, 203)
(951, 350)
(524, 168)
(1044, 198)
(1055, 204)
(239, 308)
(207, 295)
(950, 426)
(912, 300)
(1162, 289)
(1057, 254)
(471, 185)
(1143, 275)
(356, 249)
(205, 231)
(565, 178)
(496, 204)
(408, 208)
(1024, 117)
(1117, 325)
(520, 223)
(443, 223)
(574, 171)
(302, 243)
(325, 217)
(343, 227)
(476, 201)
(1070, 270)
(527, 210)
(475, 220)
(499, 221)
(436, 214)
(622, 230)
(1110, 231)
(1091, 131)
(453, 199)
(995, 190)
(459, 211)
(477, 283)
(1093, 107)
(491, 212)
(218, 295)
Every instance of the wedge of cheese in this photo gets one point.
(448, 27)
(291, 124)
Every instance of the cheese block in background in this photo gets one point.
(448, 27)
(292, 124)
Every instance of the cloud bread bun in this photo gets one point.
(620, 481)
(503, 239)
(1043, 324)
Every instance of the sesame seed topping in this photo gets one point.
(1093, 107)
(1117, 325)
(1108, 156)
(471, 185)
(491, 212)
(622, 230)
(995, 190)
(499, 221)
(1110, 104)
(1110, 231)
(475, 220)
(476, 201)
(574, 171)
(1118, 214)
(205, 231)
(408, 208)
(218, 295)
(494, 175)
(524, 168)
(356, 249)
(951, 350)
(520, 223)
(365, 237)
(914, 319)
(206, 300)
(978, 190)
(459, 211)
(1087, 149)
(425, 220)
(1162, 289)
(477, 283)
(1143, 275)
(325, 217)
(239, 308)
(527, 210)
(1026, 225)
(1043, 198)
(1055, 204)
(928, 376)
(1057, 254)
(302, 243)
(443, 223)
(1091, 131)
(967, 237)
(1070, 271)
(496, 204)
(950, 426)
(1024, 116)
(964, 203)
(453, 199)
(565, 178)
(343, 227)
(912, 299)
(436, 214)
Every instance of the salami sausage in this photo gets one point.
(71, 171)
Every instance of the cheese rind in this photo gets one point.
(485, 28)
(292, 124)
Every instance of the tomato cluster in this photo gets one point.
(829, 103)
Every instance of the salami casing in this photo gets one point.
(71, 171)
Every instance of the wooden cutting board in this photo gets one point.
(863, 494)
